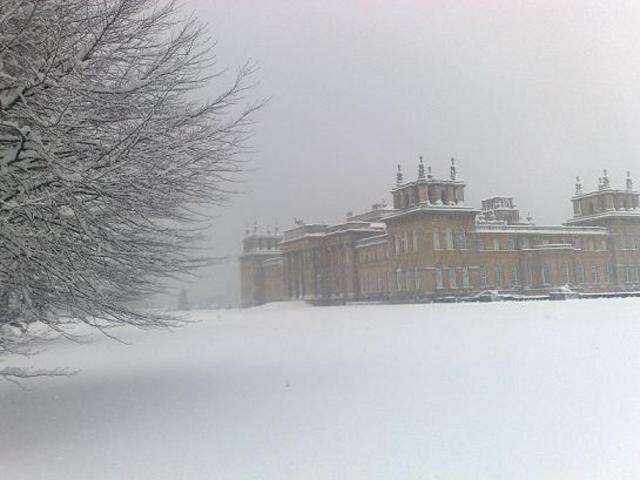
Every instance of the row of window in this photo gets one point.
(449, 239)
(545, 275)
(627, 242)
(373, 254)
(405, 243)
(498, 277)
(457, 240)
(401, 280)
(631, 273)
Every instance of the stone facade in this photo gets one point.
(432, 245)
(261, 275)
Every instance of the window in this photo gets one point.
(546, 274)
(595, 275)
(398, 284)
(461, 240)
(453, 282)
(439, 282)
(405, 242)
(515, 275)
(449, 239)
(567, 273)
(603, 244)
(483, 277)
(409, 281)
(498, 276)
(397, 244)
(579, 273)
(480, 243)
(511, 243)
(414, 240)
(416, 278)
(436, 239)
(496, 244)
(465, 277)
(609, 273)
(525, 242)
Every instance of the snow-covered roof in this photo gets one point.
(540, 229)
(433, 208)
(369, 241)
(607, 214)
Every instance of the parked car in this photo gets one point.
(489, 296)
(563, 293)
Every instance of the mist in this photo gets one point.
(524, 95)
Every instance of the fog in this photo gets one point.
(525, 95)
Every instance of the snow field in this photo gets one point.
(443, 391)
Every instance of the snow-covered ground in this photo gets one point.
(540, 390)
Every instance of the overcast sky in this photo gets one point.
(525, 95)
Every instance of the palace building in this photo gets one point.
(432, 245)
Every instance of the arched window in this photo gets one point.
(453, 281)
(483, 277)
(515, 276)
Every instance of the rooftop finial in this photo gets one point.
(605, 179)
(453, 169)
(399, 176)
(429, 175)
(578, 186)
(629, 181)
(421, 169)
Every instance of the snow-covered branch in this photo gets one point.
(104, 153)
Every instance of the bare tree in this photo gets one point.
(105, 155)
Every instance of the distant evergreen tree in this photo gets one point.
(183, 300)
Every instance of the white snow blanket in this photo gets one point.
(539, 390)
